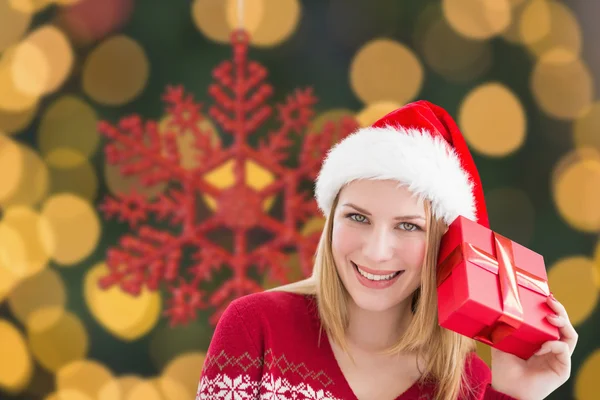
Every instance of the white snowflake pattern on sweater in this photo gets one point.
(242, 387)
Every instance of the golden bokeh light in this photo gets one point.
(374, 111)
(126, 383)
(174, 390)
(24, 254)
(16, 367)
(25, 177)
(14, 122)
(550, 25)
(562, 86)
(42, 61)
(269, 22)
(586, 128)
(145, 390)
(576, 189)
(11, 98)
(597, 264)
(49, 290)
(90, 378)
(450, 54)
(477, 19)
(30, 6)
(120, 184)
(70, 228)
(185, 369)
(71, 172)
(385, 70)
(535, 22)
(256, 178)
(210, 17)
(586, 379)
(8, 279)
(56, 342)
(13, 24)
(492, 119)
(188, 151)
(116, 71)
(69, 122)
(571, 280)
(69, 394)
(125, 316)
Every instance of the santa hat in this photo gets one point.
(418, 145)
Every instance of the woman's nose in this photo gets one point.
(380, 245)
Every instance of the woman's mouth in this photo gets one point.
(376, 280)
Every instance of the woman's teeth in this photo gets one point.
(376, 277)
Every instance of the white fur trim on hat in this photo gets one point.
(428, 166)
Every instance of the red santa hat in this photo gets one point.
(418, 145)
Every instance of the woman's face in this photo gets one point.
(379, 242)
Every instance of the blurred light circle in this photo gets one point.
(145, 390)
(25, 177)
(477, 19)
(586, 379)
(42, 61)
(116, 71)
(15, 122)
(123, 315)
(89, 20)
(385, 70)
(90, 378)
(536, 21)
(121, 184)
(68, 394)
(13, 24)
(16, 367)
(586, 128)
(69, 122)
(56, 342)
(126, 383)
(26, 255)
(563, 32)
(492, 120)
(71, 172)
(8, 279)
(30, 6)
(70, 228)
(172, 389)
(49, 291)
(11, 98)
(374, 111)
(210, 17)
(571, 281)
(454, 56)
(562, 86)
(576, 190)
(269, 22)
(185, 369)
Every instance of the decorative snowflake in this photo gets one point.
(171, 244)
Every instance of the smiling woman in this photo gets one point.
(364, 325)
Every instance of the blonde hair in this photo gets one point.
(443, 351)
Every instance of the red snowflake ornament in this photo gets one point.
(155, 255)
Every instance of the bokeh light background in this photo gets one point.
(519, 75)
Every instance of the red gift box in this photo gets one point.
(493, 290)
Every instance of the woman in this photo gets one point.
(364, 325)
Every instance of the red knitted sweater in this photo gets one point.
(266, 346)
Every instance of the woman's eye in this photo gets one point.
(408, 226)
(357, 217)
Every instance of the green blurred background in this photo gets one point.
(519, 76)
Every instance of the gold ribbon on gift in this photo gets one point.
(510, 277)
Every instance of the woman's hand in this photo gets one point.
(545, 371)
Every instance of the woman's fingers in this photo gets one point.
(558, 348)
(567, 331)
